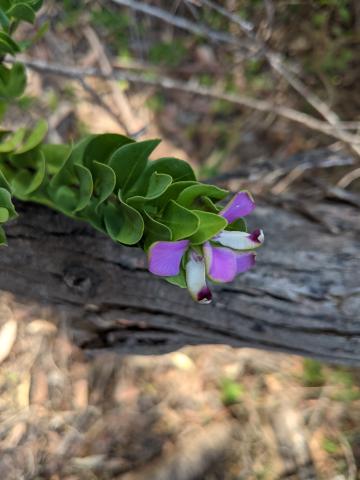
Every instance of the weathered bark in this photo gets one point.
(303, 297)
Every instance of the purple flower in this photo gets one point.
(221, 259)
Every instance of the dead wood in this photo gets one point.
(303, 297)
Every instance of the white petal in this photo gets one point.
(240, 240)
(196, 278)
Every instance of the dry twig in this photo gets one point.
(180, 22)
(349, 178)
(126, 116)
(191, 87)
(255, 46)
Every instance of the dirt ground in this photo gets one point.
(199, 413)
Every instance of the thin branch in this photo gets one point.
(277, 63)
(191, 87)
(180, 22)
(126, 117)
(274, 59)
(91, 91)
(350, 177)
(243, 24)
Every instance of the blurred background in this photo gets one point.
(260, 94)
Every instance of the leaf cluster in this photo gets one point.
(108, 181)
(13, 78)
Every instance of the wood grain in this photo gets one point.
(303, 297)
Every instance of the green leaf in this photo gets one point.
(67, 178)
(179, 170)
(173, 192)
(7, 44)
(209, 205)
(64, 177)
(182, 222)
(36, 136)
(188, 196)
(2, 237)
(20, 181)
(4, 21)
(5, 4)
(4, 215)
(6, 202)
(94, 215)
(25, 182)
(104, 181)
(65, 199)
(55, 156)
(239, 225)
(35, 4)
(12, 142)
(78, 151)
(85, 187)
(154, 231)
(210, 225)
(12, 81)
(3, 108)
(124, 224)
(178, 280)
(39, 176)
(159, 183)
(17, 81)
(101, 147)
(129, 162)
(22, 11)
(3, 181)
(68, 175)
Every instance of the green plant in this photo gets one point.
(231, 391)
(313, 375)
(108, 181)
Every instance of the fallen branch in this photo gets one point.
(302, 298)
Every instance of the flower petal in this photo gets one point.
(240, 205)
(196, 278)
(221, 263)
(244, 261)
(165, 257)
(240, 240)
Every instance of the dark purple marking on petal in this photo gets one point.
(205, 295)
(257, 236)
(165, 257)
(239, 206)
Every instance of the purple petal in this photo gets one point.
(240, 205)
(165, 257)
(244, 261)
(196, 278)
(221, 263)
(240, 240)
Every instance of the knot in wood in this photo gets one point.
(80, 279)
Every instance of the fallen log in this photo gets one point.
(303, 297)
